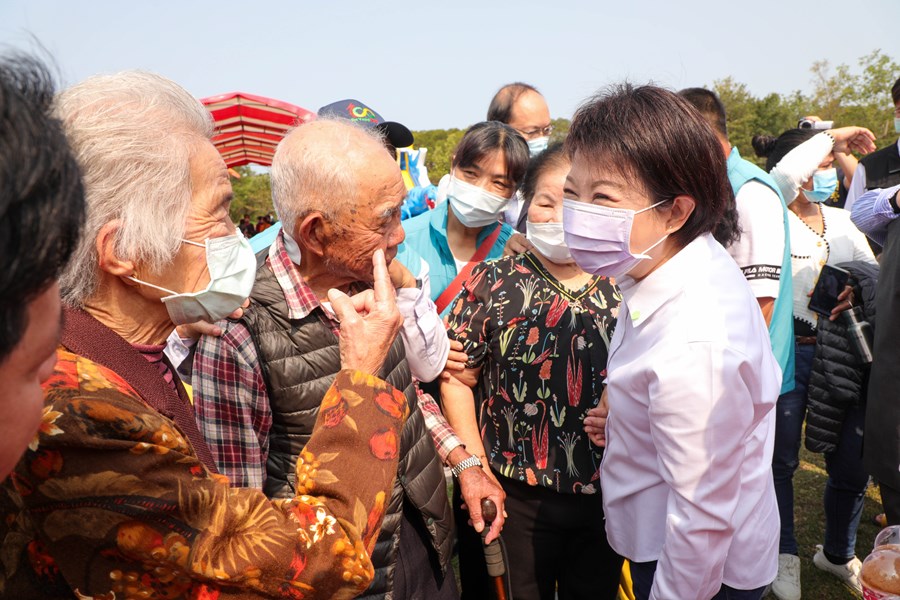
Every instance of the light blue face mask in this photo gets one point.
(897, 124)
(824, 184)
(232, 272)
(538, 145)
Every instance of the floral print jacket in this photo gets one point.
(111, 502)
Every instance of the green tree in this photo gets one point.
(862, 98)
(844, 95)
(440, 143)
(560, 130)
(252, 194)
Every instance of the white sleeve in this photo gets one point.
(799, 164)
(701, 412)
(423, 333)
(857, 187)
(178, 350)
(760, 250)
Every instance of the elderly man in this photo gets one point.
(117, 496)
(258, 387)
(41, 212)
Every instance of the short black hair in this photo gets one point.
(553, 157)
(774, 149)
(486, 137)
(42, 204)
(709, 106)
(654, 135)
(503, 101)
(895, 92)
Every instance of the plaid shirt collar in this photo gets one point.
(301, 300)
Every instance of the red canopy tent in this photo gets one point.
(248, 127)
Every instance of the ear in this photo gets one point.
(312, 234)
(682, 209)
(107, 258)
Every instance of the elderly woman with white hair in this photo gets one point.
(118, 495)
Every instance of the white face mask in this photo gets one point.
(473, 206)
(232, 272)
(538, 145)
(549, 240)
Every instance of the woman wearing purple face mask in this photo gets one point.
(692, 382)
(800, 161)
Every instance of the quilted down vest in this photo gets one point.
(300, 359)
(837, 380)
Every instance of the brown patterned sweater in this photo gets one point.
(110, 501)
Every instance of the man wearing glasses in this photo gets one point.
(523, 108)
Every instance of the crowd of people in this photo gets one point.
(616, 340)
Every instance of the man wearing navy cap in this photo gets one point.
(396, 135)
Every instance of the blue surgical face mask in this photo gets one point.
(538, 145)
(897, 124)
(824, 184)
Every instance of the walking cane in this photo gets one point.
(493, 552)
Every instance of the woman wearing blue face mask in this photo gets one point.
(692, 381)
(800, 162)
(486, 169)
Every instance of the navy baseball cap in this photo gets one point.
(354, 110)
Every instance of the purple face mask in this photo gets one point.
(599, 237)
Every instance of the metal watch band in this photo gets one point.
(472, 461)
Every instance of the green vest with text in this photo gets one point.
(781, 329)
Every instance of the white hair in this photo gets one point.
(133, 134)
(316, 167)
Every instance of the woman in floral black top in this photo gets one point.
(536, 329)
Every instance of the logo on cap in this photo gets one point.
(362, 113)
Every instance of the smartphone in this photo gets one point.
(831, 283)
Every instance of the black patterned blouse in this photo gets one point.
(542, 350)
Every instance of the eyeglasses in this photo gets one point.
(545, 131)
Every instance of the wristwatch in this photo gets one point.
(467, 463)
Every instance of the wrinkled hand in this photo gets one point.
(193, 331)
(853, 139)
(369, 321)
(595, 421)
(517, 244)
(475, 484)
(845, 301)
(401, 277)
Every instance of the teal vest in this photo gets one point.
(781, 329)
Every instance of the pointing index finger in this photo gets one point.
(383, 287)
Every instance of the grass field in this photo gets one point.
(809, 523)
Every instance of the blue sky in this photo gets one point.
(437, 64)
